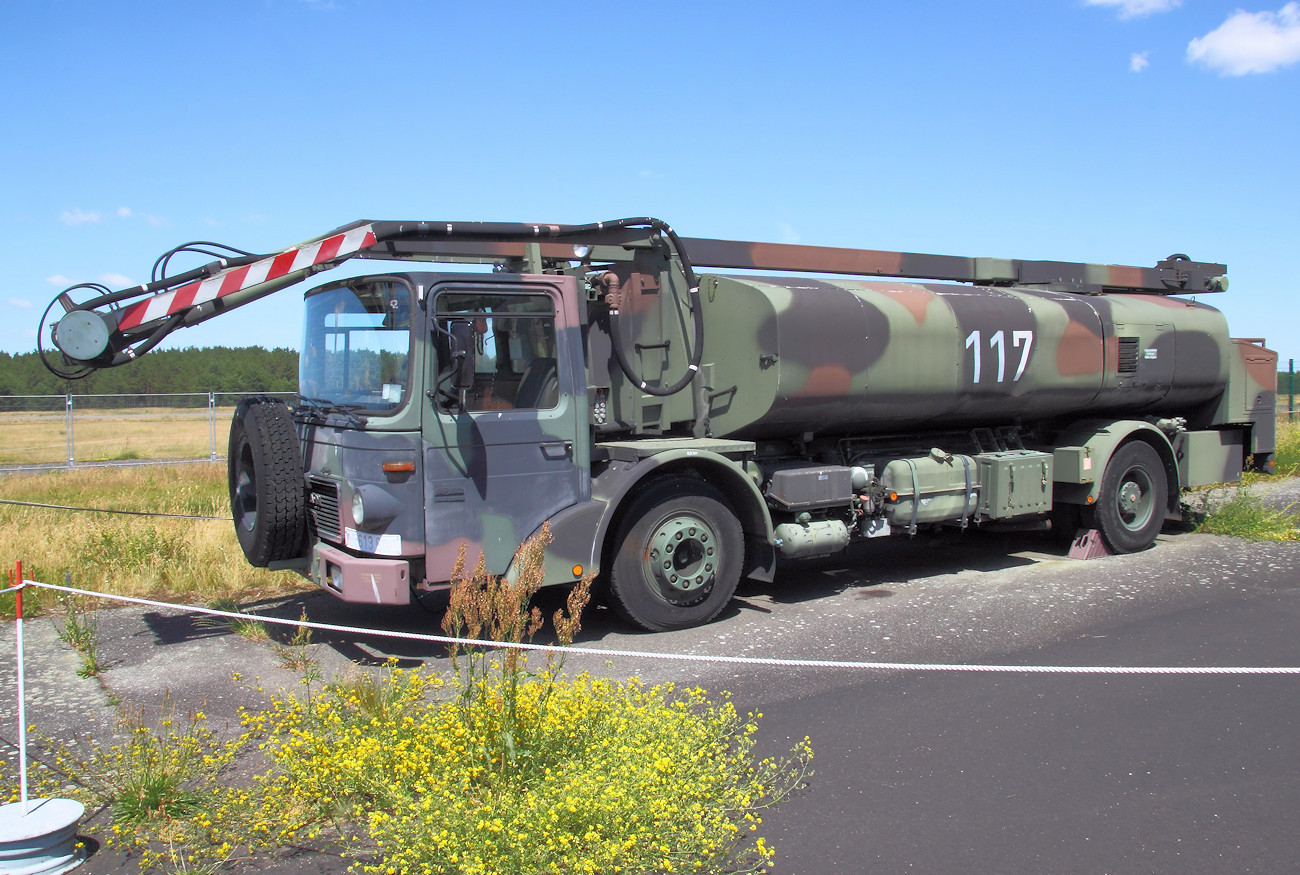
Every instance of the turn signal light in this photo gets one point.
(577, 571)
(398, 467)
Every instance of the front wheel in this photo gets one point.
(677, 556)
(1131, 506)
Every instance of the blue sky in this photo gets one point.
(1115, 132)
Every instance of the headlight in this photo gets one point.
(373, 508)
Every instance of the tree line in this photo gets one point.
(246, 369)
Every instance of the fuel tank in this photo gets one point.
(785, 356)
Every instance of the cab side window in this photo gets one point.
(514, 349)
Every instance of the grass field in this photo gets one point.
(41, 438)
(187, 560)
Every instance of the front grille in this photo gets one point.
(323, 502)
(1128, 355)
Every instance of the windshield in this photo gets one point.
(356, 345)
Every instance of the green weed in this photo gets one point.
(79, 629)
(296, 654)
(245, 627)
(1245, 515)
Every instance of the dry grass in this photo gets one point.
(41, 437)
(178, 559)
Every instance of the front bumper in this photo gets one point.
(363, 580)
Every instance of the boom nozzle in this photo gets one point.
(82, 335)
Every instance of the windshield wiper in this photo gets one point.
(319, 409)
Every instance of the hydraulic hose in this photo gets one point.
(693, 301)
(620, 353)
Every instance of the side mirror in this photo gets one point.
(462, 355)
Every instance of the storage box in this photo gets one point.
(1015, 483)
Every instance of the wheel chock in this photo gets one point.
(1088, 544)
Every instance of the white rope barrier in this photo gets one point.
(692, 657)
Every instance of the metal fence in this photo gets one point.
(40, 432)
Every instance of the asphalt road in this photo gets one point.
(1069, 773)
(930, 772)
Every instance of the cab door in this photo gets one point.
(511, 451)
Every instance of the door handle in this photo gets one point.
(556, 449)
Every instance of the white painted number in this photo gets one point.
(1028, 338)
(973, 341)
(1022, 340)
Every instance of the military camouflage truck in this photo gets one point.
(680, 430)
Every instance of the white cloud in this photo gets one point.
(128, 213)
(20, 302)
(788, 233)
(1139, 61)
(59, 280)
(116, 280)
(1136, 8)
(1250, 42)
(77, 216)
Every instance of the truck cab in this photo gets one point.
(442, 417)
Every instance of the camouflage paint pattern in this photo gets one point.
(834, 357)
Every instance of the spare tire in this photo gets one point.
(266, 482)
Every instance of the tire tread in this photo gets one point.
(275, 450)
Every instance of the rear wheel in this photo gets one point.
(1131, 506)
(266, 482)
(677, 556)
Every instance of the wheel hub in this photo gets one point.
(245, 493)
(681, 556)
(1134, 503)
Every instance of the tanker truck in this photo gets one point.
(677, 430)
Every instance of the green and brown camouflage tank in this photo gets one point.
(788, 356)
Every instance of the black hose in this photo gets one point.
(697, 323)
(130, 354)
(693, 301)
(195, 246)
